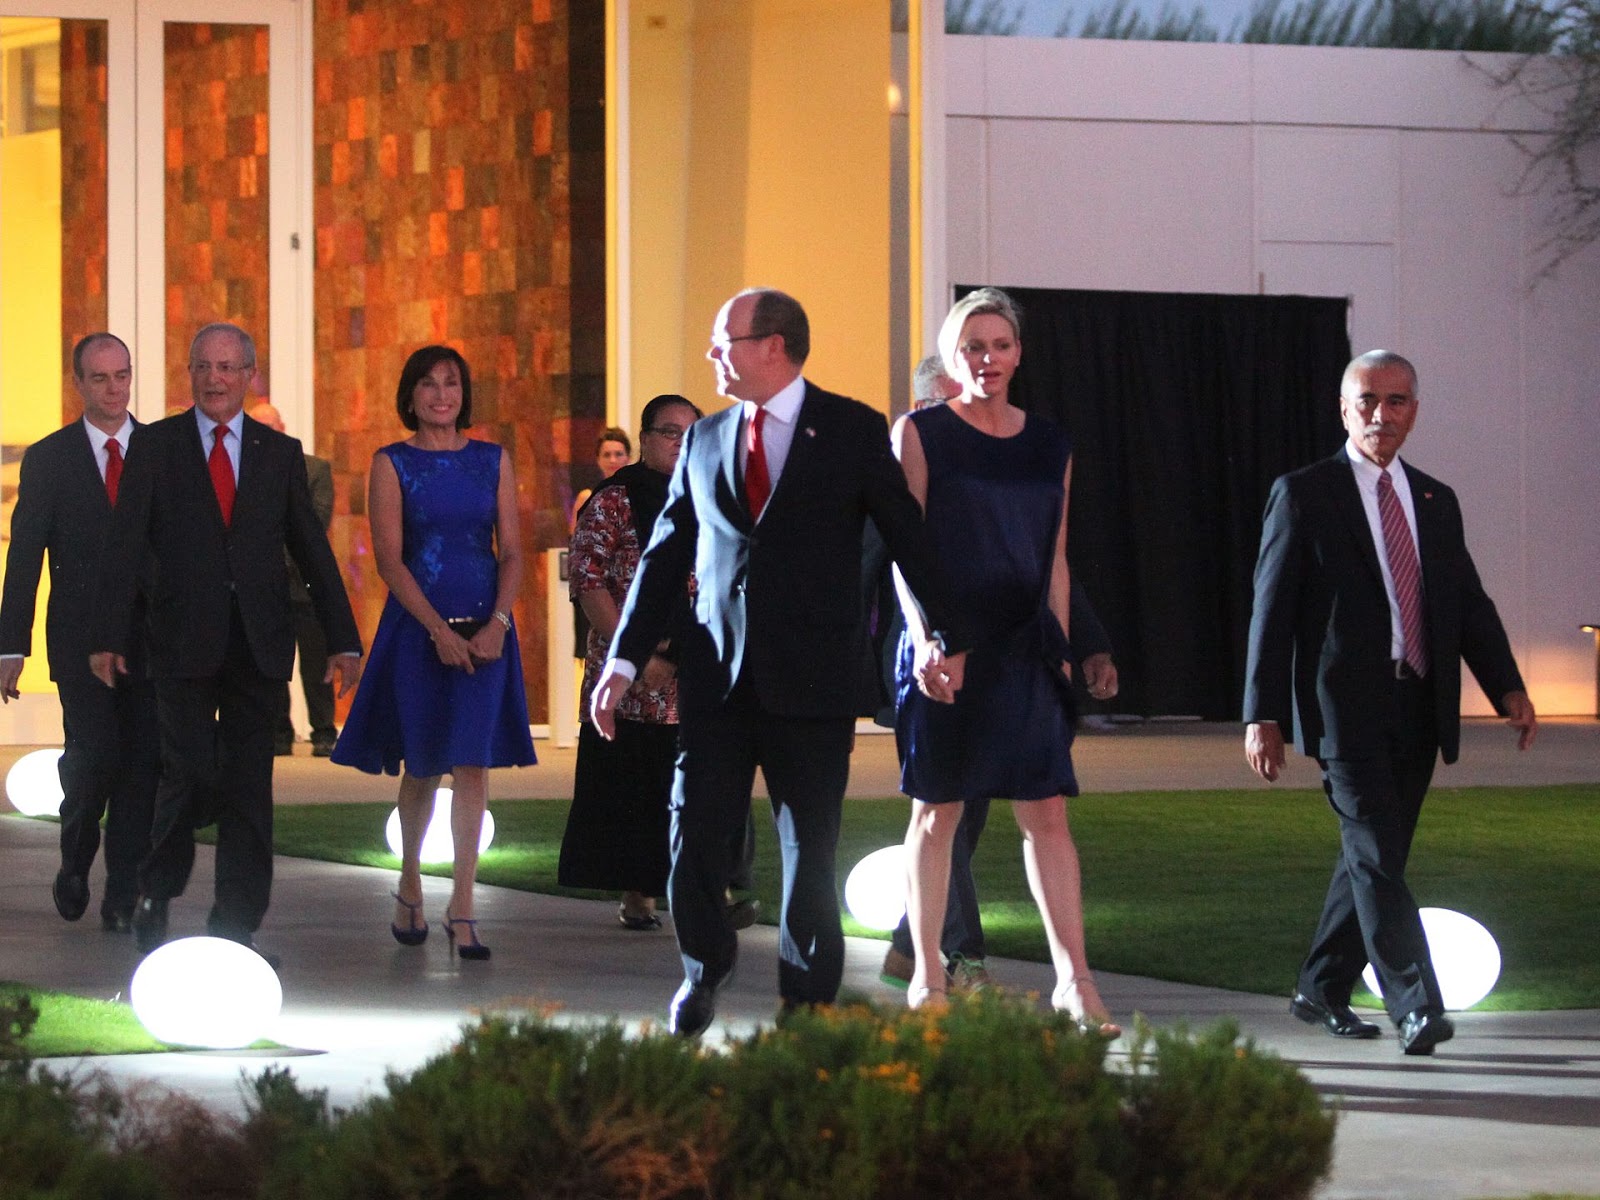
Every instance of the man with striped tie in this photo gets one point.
(1366, 603)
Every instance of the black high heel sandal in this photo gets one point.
(473, 950)
(410, 935)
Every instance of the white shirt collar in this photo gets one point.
(785, 403)
(235, 426)
(1367, 471)
(98, 437)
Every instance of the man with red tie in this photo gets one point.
(766, 507)
(211, 500)
(1366, 603)
(109, 762)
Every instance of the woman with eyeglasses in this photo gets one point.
(442, 693)
(618, 828)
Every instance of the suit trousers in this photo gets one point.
(806, 763)
(110, 766)
(216, 756)
(963, 926)
(313, 647)
(1369, 913)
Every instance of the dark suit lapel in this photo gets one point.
(85, 469)
(801, 450)
(197, 453)
(1429, 528)
(732, 435)
(1347, 500)
(252, 453)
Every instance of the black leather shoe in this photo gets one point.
(71, 894)
(116, 920)
(693, 1009)
(322, 747)
(1422, 1030)
(743, 913)
(149, 923)
(1337, 1019)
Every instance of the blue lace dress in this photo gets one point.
(410, 707)
(993, 507)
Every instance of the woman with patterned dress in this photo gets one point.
(442, 692)
(993, 482)
(618, 827)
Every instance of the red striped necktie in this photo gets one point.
(1406, 571)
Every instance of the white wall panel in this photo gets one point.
(966, 199)
(1099, 205)
(1365, 274)
(1327, 185)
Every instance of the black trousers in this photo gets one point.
(216, 762)
(110, 766)
(963, 926)
(313, 647)
(1369, 913)
(807, 764)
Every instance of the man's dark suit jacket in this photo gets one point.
(61, 507)
(200, 566)
(779, 602)
(1320, 632)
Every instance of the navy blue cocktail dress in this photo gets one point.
(410, 707)
(993, 507)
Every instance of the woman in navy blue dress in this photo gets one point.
(442, 692)
(993, 482)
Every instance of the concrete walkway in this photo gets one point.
(1511, 1107)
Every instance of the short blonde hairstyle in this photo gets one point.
(975, 304)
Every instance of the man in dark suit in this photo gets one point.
(307, 631)
(110, 761)
(767, 507)
(1366, 601)
(213, 499)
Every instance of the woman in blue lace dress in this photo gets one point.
(993, 482)
(442, 693)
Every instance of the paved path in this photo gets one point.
(1511, 1107)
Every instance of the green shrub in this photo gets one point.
(1210, 1118)
(55, 1140)
(525, 1108)
(989, 1099)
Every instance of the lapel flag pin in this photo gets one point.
(810, 432)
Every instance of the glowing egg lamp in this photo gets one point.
(875, 891)
(206, 991)
(33, 785)
(438, 846)
(1465, 958)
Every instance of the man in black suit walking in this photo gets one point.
(1366, 602)
(110, 761)
(766, 507)
(213, 500)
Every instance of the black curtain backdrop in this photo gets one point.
(1182, 410)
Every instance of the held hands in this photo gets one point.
(347, 667)
(1263, 748)
(106, 666)
(939, 675)
(1519, 715)
(657, 673)
(453, 649)
(488, 643)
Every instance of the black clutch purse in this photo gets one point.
(464, 626)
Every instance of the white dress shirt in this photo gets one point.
(1367, 473)
(235, 427)
(98, 439)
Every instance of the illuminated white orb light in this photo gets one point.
(206, 991)
(438, 846)
(875, 891)
(33, 785)
(1465, 958)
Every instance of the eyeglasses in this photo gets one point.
(226, 369)
(722, 345)
(671, 432)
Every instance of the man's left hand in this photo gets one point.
(347, 667)
(1519, 715)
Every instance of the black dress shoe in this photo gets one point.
(322, 747)
(743, 913)
(693, 1009)
(71, 894)
(1422, 1030)
(116, 920)
(1337, 1019)
(149, 923)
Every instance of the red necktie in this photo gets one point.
(222, 474)
(113, 469)
(757, 483)
(1401, 552)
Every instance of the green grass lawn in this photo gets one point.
(70, 1025)
(1220, 888)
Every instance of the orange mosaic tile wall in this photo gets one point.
(83, 192)
(443, 175)
(216, 191)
